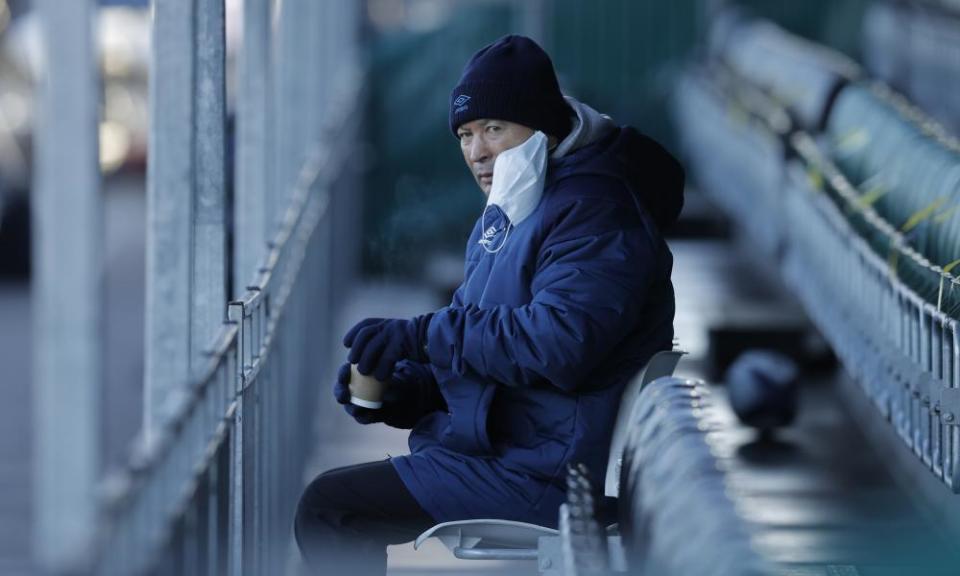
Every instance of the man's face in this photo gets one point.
(482, 140)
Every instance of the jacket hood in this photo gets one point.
(589, 126)
(596, 145)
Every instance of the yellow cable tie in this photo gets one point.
(870, 197)
(893, 259)
(945, 215)
(853, 140)
(922, 215)
(815, 177)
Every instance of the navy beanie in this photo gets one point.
(513, 80)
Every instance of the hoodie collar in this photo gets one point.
(589, 126)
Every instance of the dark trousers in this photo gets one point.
(347, 517)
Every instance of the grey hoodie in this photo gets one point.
(589, 126)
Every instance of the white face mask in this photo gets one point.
(518, 178)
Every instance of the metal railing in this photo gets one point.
(856, 273)
(903, 350)
(215, 492)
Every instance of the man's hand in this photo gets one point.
(377, 344)
(410, 393)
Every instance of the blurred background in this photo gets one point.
(687, 72)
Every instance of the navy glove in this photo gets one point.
(377, 344)
(411, 393)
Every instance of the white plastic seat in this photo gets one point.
(494, 539)
(660, 364)
(511, 540)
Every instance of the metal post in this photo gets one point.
(235, 471)
(209, 259)
(185, 198)
(67, 288)
(290, 111)
(169, 208)
(321, 57)
(251, 171)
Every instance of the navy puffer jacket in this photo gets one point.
(533, 354)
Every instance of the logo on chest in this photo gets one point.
(496, 229)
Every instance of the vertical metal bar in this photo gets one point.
(252, 128)
(895, 348)
(317, 67)
(268, 470)
(68, 272)
(890, 312)
(939, 374)
(919, 364)
(170, 185)
(238, 489)
(952, 433)
(334, 53)
(224, 494)
(254, 458)
(285, 388)
(257, 455)
(875, 311)
(185, 198)
(248, 460)
(292, 109)
(927, 364)
(213, 516)
(175, 555)
(318, 57)
(209, 264)
(265, 458)
(234, 473)
(280, 440)
(916, 368)
(191, 542)
(906, 358)
(903, 349)
(949, 371)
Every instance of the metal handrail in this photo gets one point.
(909, 385)
(143, 504)
(902, 348)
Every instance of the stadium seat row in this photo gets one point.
(855, 198)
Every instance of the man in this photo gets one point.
(566, 295)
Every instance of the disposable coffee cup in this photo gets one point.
(365, 391)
